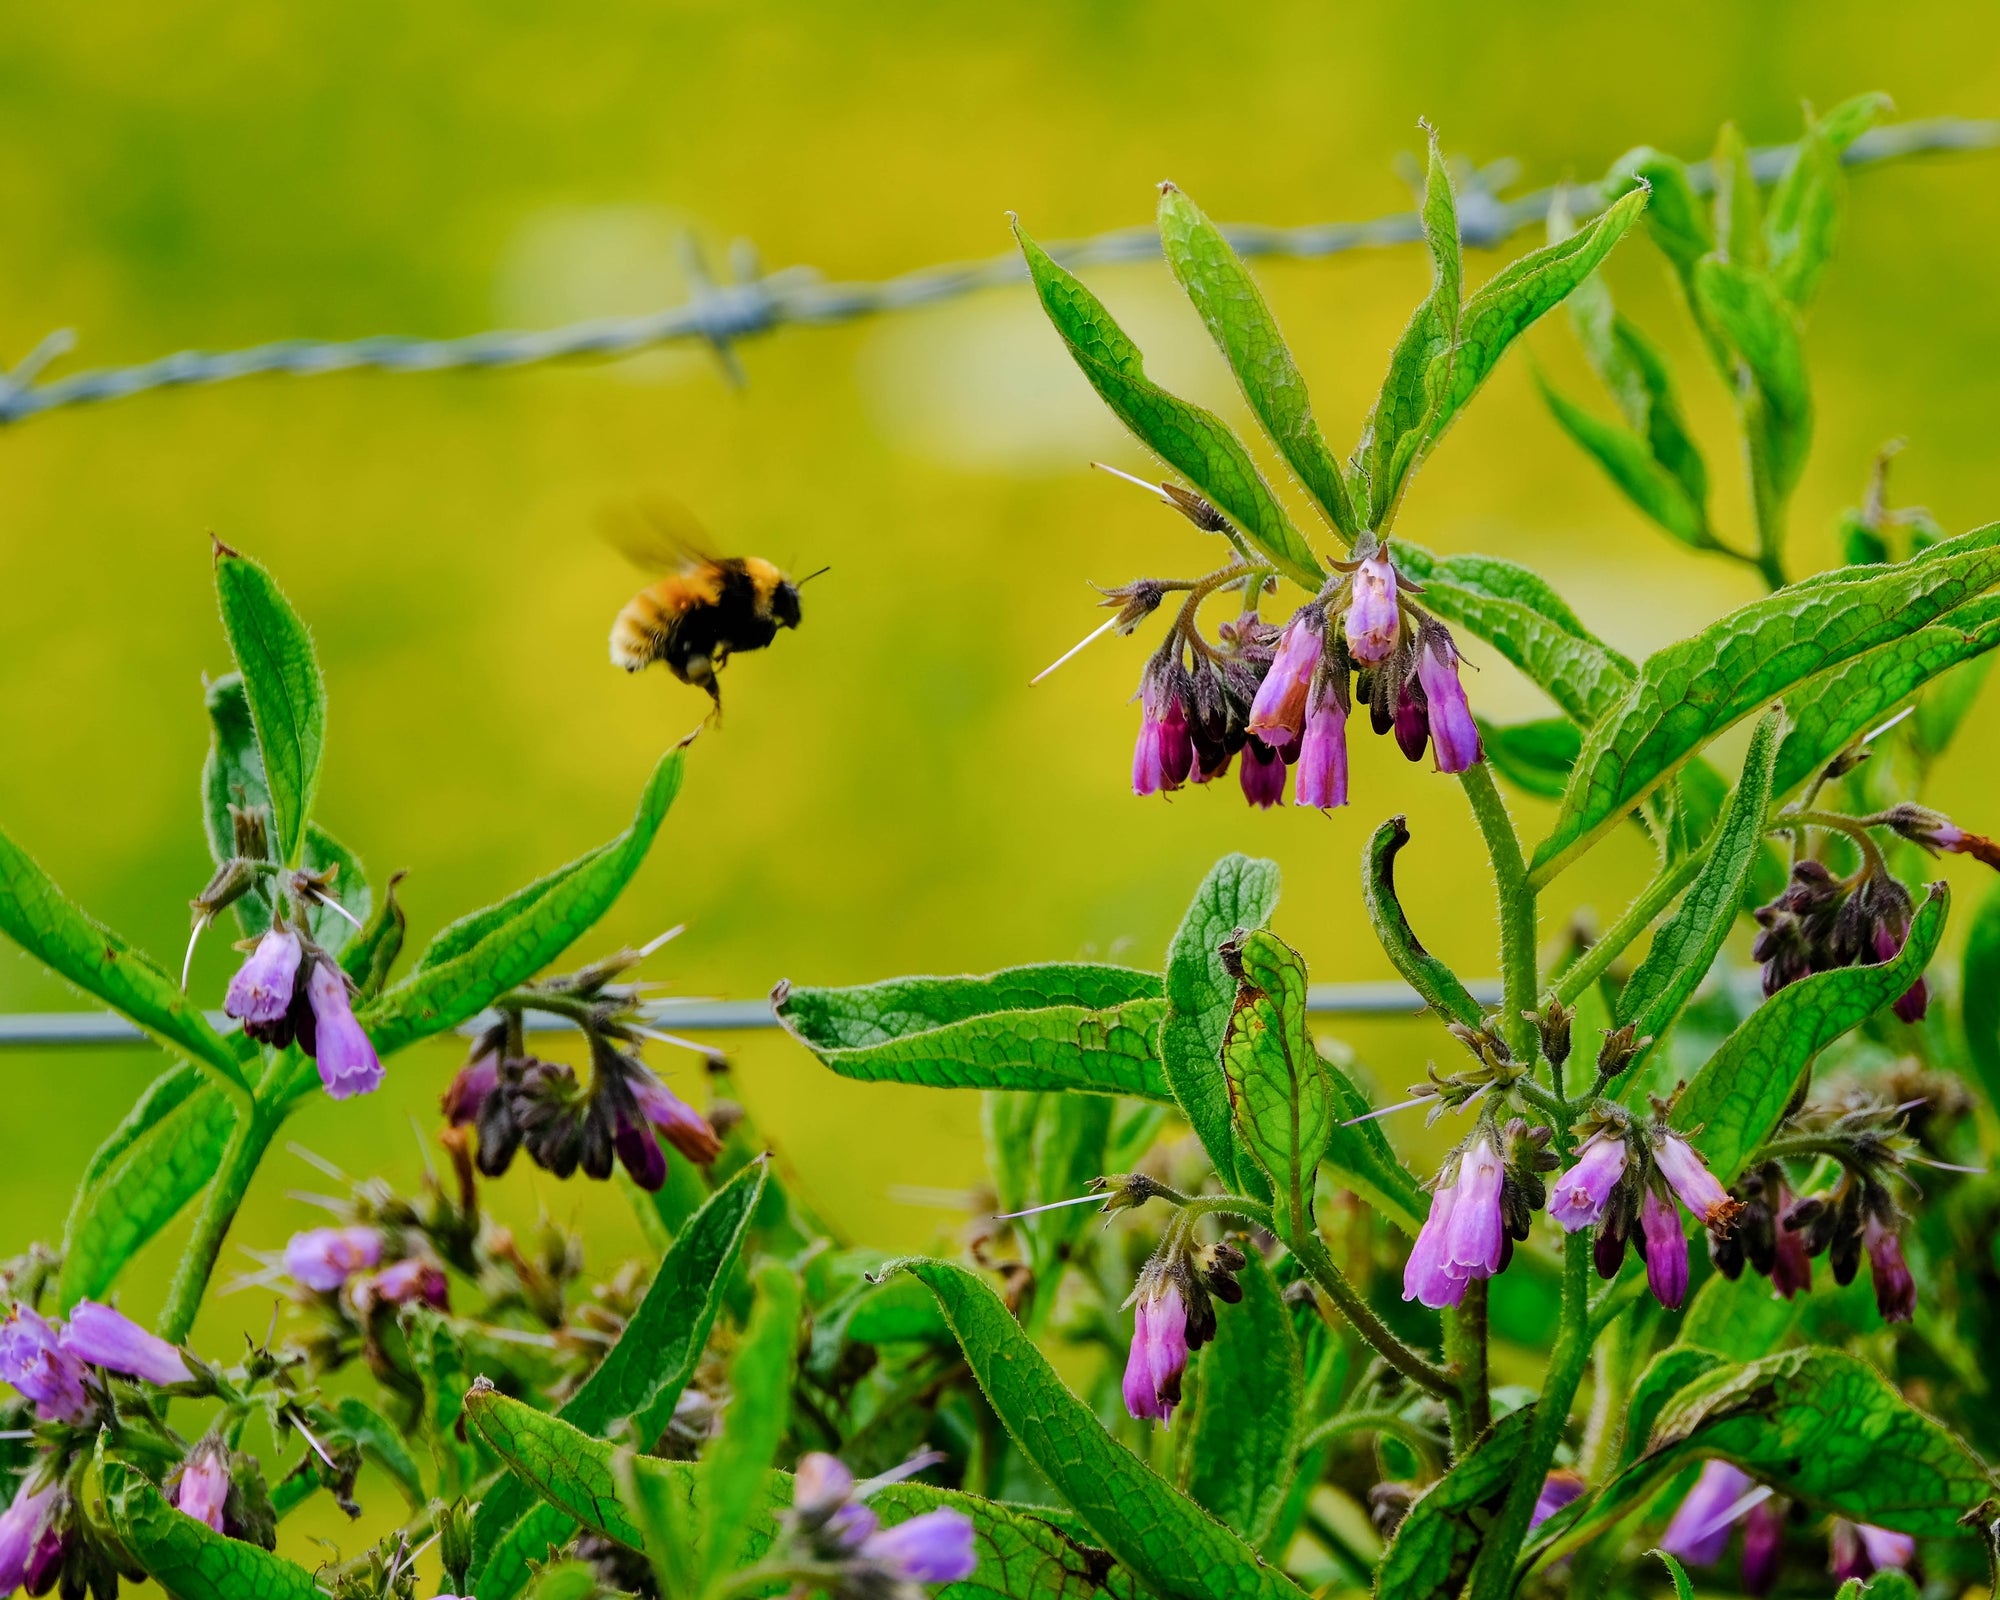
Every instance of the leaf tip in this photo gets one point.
(219, 552)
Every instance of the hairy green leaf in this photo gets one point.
(184, 1556)
(1980, 995)
(1171, 1544)
(1676, 218)
(490, 951)
(1430, 977)
(1737, 202)
(1434, 1547)
(1023, 1554)
(1741, 1318)
(1238, 892)
(1068, 1154)
(1533, 756)
(760, 1391)
(1517, 613)
(1803, 221)
(1759, 327)
(1243, 1421)
(1683, 1590)
(1669, 1372)
(1690, 691)
(37, 916)
(382, 1443)
(872, 1014)
(1247, 334)
(641, 1378)
(1686, 945)
(1627, 459)
(1195, 443)
(1420, 367)
(286, 695)
(1737, 1098)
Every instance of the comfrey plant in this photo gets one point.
(1308, 1290)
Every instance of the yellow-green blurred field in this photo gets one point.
(887, 793)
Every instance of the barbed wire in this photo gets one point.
(753, 302)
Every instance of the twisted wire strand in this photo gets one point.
(754, 303)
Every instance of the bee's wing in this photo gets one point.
(656, 533)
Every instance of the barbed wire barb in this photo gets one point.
(752, 303)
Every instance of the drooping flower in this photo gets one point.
(1263, 774)
(1559, 1489)
(325, 1258)
(1859, 1550)
(34, 1361)
(204, 1485)
(1159, 1353)
(931, 1547)
(1321, 779)
(261, 992)
(1763, 1548)
(411, 1281)
(1699, 1190)
(1581, 1194)
(1164, 751)
(107, 1338)
(683, 1127)
(348, 1064)
(1476, 1236)
(29, 1539)
(1791, 1267)
(1699, 1530)
(1665, 1247)
(1278, 713)
(1895, 1289)
(1935, 831)
(466, 1096)
(831, 1524)
(1373, 620)
(1454, 735)
(1412, 719)
(1424, 1277)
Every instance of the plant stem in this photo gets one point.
(1254, 1212)
(1465, 1348)
(1611, 1371)
(1424, 1444)
(1319, 1265)
(1517, 909)
(255, 1126)
(1493, 1570)
(1637, 918)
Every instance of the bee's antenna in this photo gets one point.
(808, 578)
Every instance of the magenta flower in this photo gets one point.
(347, 1061)
(1158, 1356)
(1412, 720)
(1372, 618)
(1681, 1165)
(1890, 932)
(1763, 1548)
(107, 1338)
(1895, 1289)
(1581, 1194)
(325, 1258)
(1476, 1235)
(1791, 1267)
(1263, 774)
(29, 1538)
(33, 1360)
(1424, 1277)
(1278, 714)
(1859, 1550)
(1454, 736)
(932, 1547)
(1558, 1490)
(261, 991)
(1699, 1531)
(1666, 1249)
(1164, 753)
(1322, 764)
(412, 1280)
(821, 1483)
(467, 1093)
(204, 1485)
(683, 1127)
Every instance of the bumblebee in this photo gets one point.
(695, 618)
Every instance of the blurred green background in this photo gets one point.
(887, 793)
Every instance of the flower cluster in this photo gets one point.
(332, 1260)
(1762, 1237)
(1724, 1496)
(830, 1525)
(1483, 1201)
(1173, 1316)
(1821, 922)
(1281, 697)
(291, 990)
(1624, 1183)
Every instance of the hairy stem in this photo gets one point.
(1320, 1267)
(1493, 1571)
(1423, 1443)
(1637, 918)
(1465, 1349)
(1517, 909)
(255, 1126)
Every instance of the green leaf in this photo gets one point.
(1056, 1026)
(159, 1158)
(1434, 1547)
(36, 915)
(1068, 1154)
(1804, 218)
(1760, 328)
(1243, 1424)
(1171, 1545)
(1741, 1318)
(1691, 691)
(760, 1394)
(1238, 892)
(641, 1378)
(1533, 756)
(1683, 1590)
(1406, 414)
(1195, 443)
(1738, 1097)
(1430, 977)
(1516, 612)
(1979, 995)
(1628, 461)
(1686, 945)
(1023, 1554)
(1516, 298)
(491, 951)
(1669, 1372)
(1246, 333)
(1675, 216)
(286, 694)
(184, 1556)
(898, 1312)
(1737, 202)
(380, 1441)
(1826, 1428)
(1291, 1105)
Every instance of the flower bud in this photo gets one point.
(1552, 1023)
(1895, 1289)
(454, 1527)
(1411, 719)
(1373, 620)
(232, 881)
(1665, 1248)
(1620, 1047)
(1935, 831)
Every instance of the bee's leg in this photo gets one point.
(701, 672)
